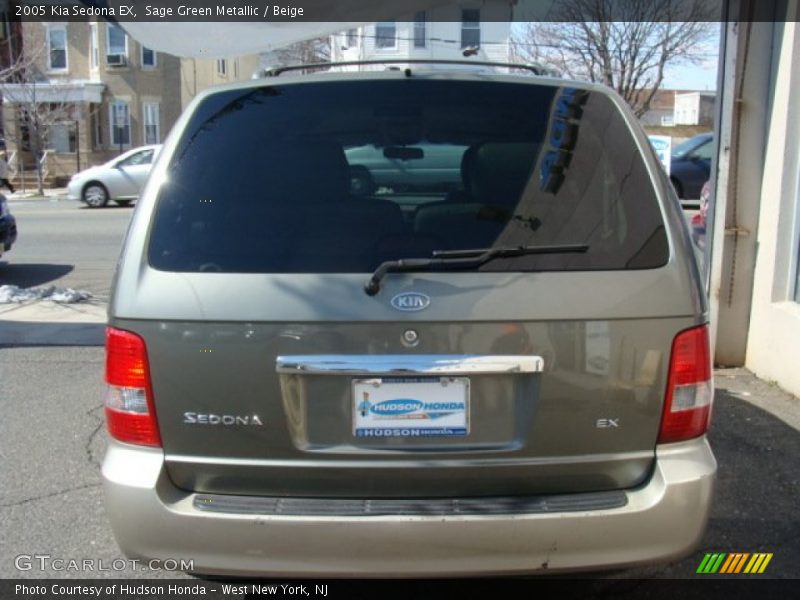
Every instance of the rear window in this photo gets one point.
(339, 177)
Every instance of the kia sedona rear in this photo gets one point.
(492, 360)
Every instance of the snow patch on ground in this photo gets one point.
(13, 294)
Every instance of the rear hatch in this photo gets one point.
(275, 373)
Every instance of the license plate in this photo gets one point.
(410, 407)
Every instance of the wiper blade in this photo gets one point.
(462, 259)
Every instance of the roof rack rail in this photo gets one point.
(536, 69)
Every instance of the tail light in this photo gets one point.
(687, 407)
(130, 415)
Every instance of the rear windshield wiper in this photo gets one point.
(446, 260)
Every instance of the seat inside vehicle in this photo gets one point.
(494, 175)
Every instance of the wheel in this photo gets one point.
(123, 202)
(95, 195)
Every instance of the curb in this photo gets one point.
(47, 323)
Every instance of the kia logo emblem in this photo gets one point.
(411, 301)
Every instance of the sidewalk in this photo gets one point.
(48, 323)
(51, 194)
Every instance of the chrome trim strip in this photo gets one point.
(398, 364)
(372, 507)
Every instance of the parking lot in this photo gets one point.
(52, 437)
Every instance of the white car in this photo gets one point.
(120, 179)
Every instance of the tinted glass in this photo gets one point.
(704, 151)
(338, 177)
(145, 157)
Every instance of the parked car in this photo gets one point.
(304, 380)
(691, 165)
(698, 222)
(8, 227)
(120, 179)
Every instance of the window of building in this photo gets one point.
(222, 67)
(57, 47)
(94, 47)
(351, 38)
(120, 123)
(62, 137)
(116, 45)
(152, 129)
(236, 68)
(149, 59)
(386, 34)
(95, 118)
(471, 28)
(420, 32)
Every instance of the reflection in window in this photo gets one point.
(57, 42)
(116, 44)
(120, 123)
(148, 57)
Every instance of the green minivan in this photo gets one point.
(504, 371)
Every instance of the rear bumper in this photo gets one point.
(663, 519)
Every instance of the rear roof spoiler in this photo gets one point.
(535, 69)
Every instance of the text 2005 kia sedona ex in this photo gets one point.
(407, 322)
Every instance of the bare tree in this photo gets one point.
(625, 44)
(317, 50)
(36, 114)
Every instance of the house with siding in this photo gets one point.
(439, 33)
(113, 93)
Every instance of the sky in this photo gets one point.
(701, 76)
(697, 77)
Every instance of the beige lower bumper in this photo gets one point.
(663, 519)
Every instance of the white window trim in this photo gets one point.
(112, 126)
(392, 48)
(142, 48)
(109, 26)
(50, 68)
(94, 47)
(157, 123)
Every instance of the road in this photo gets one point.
(65, 244)
(52, 438)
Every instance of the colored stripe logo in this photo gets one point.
(734, 563)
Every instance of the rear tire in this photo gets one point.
(95, 195)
